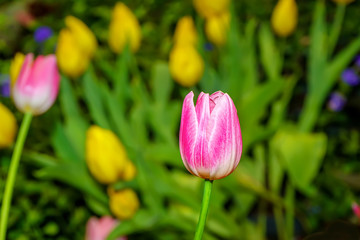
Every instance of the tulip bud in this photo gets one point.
(210, 8)
(37, 86)
(124, 29)
(15, 67)
(100, 228)
(185, 32)
(210, 135)
(106, 156)
(8, 127)
(284, 17)
(123, 203)
(216, 28)
(186, 65)
(76, 46)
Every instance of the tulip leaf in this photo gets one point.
(93, 99)
(62, 146)
(76, 175)
(162, 83)
(301, 154)
(75, 125)
(143, 220)
(318, 49)
(121, 76)
(269, 54)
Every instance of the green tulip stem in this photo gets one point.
(204, 209)
(9, 187)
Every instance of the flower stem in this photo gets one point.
(15, 159)
(204, 209)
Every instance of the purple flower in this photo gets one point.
(336, 102)
(5, 85)
(208, 46)
(350, 77)
(42, 33)
(357, 61)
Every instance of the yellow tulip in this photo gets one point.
(284, 17)
(210, 8)
(343, 1)
(124, 29)
(123, 203)
(71, 60)
(76, 46)
(216, 28)
(83, 36)
(15, 67)
(186, 65)
(106, 156)
(8, 127)
(185, 32)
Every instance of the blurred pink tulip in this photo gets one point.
(37, 85)
(99, 229)
(210, 135)
(356, 209)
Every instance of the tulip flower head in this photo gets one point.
(185, 32)
(284, 17)
(8, 127)
(211, 8)
(76, 46)
(216, 28)
(37, 86)
(123, 203)
(124, 29)
(100, 228)
(106, 157)
(210, 135)
(15, 67)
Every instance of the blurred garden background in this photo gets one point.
(109, 145)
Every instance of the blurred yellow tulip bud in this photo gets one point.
(124, 29)
(216, 28)
(76, 46)
(209, 8)
(71, 59)
(343, 1)
(8, 127)
(284, 17)
(185, 32)
(15, 67)
(123, 203)
(129, 171)
(186, 65)
(106, 157)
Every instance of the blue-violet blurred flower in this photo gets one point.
(350, 77)
(42, 33)
(357, 61)
(208, 46)
(5, 85)
(336, 102)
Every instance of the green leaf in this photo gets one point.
(162, 84)
(94, 101)
(301, 154)
(269, 54)
(318, 49)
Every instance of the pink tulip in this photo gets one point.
(210, 135)
(37, 85)
(356, 209)
(99, 229)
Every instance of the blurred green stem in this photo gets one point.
(336, 27)
(9, 187)
(204, 209)
(290, 213)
